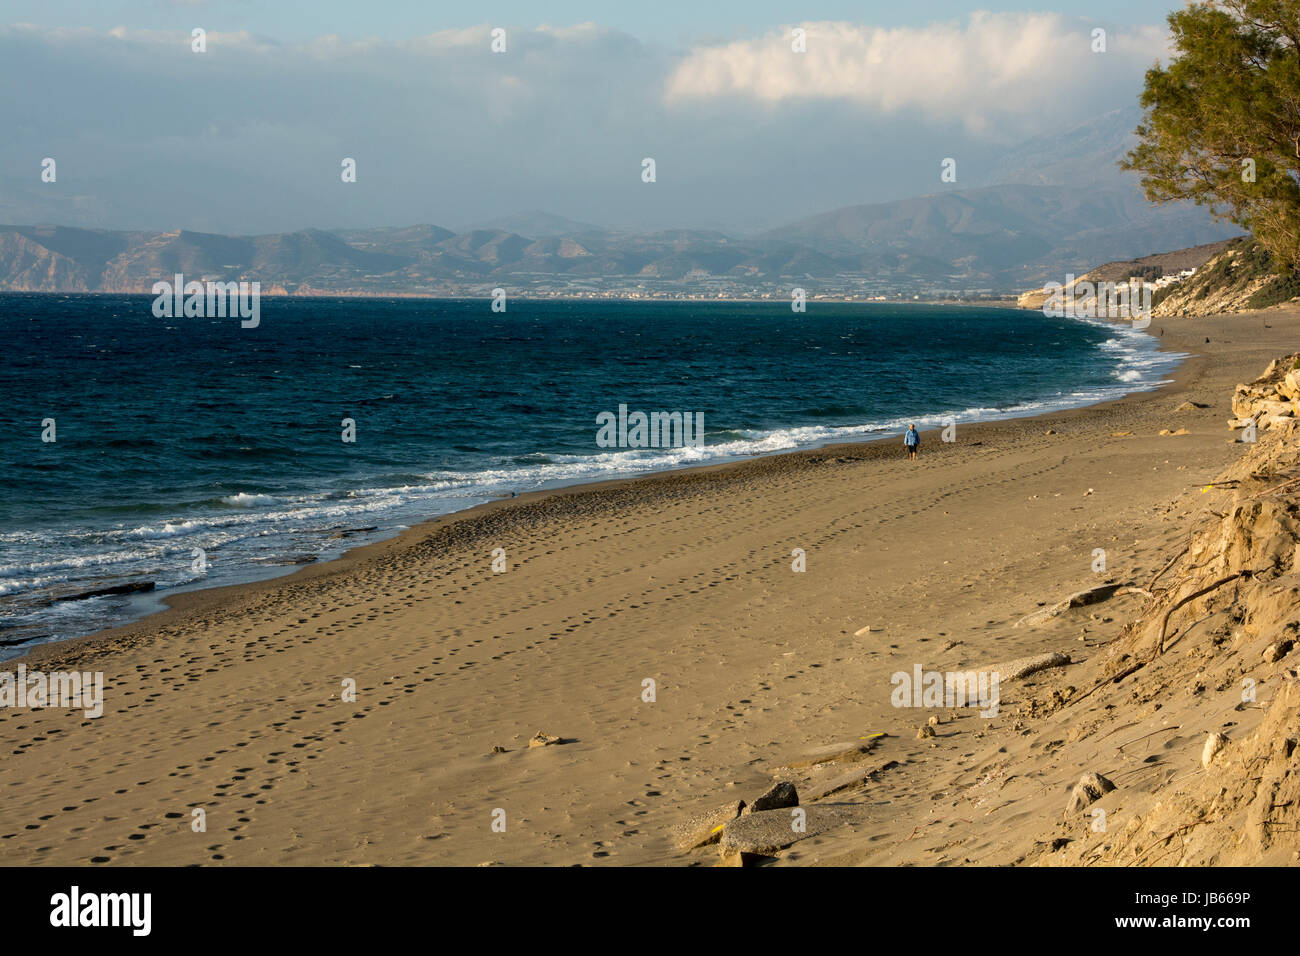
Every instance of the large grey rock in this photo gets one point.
(769, 830)
(1090, 788)
(780, 794)
(705, 828)
(846, 781)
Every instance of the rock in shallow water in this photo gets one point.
(135, 587)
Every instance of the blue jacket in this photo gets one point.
(912, 438)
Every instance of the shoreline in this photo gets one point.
(234, 699)
(188, 598)
(1007, 302)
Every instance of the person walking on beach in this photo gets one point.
(912, 440)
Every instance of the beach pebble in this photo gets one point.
(543, 740)
(1090, 788)
(1213, 744)
(925, 730)
(933, 721)
(864, 630)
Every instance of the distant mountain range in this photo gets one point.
(1068, 209)
(1012, 236)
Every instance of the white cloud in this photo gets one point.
(249, 136)
(991, 65)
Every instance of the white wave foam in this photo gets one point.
(254, 525)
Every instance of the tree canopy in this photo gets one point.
(1221, 123)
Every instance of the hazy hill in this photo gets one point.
(541, 225)
(1043, 209)
(1083, 155)
(423, 258)
(408, 241)
(1011, 235)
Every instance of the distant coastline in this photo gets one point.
(1007, 301)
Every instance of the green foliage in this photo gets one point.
(1229, 97)
(1243, 262)
(1161, 294)
(1228, 268)
(1281, 289)
(1147, 273)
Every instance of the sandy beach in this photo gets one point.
(235, 699)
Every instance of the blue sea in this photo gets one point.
(180, 436)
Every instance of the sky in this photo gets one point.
(746, 133)
(663, 21)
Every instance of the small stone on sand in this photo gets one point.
(1090, 788)
(1213, 744)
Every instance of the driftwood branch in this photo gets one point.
(1273, 489)
(1134, 589)
(1164, 621)
(1169, 836)
(1162, 730)
(1160, 643)
(1172, 562)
